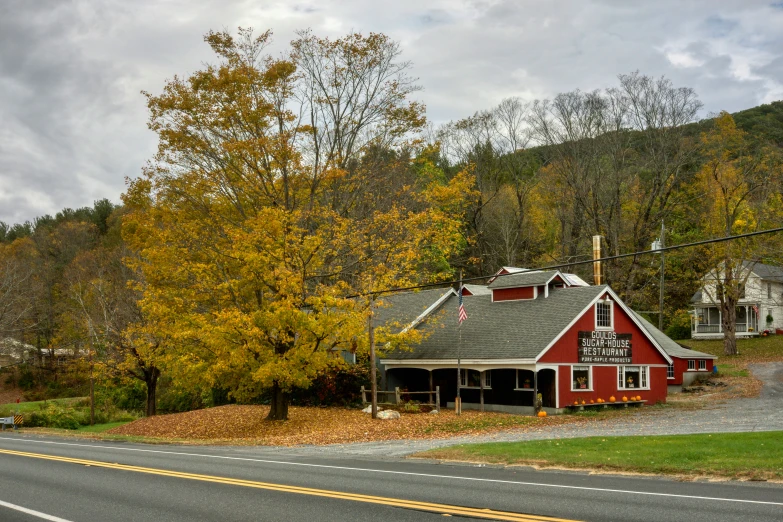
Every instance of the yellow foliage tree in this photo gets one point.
(252, 238)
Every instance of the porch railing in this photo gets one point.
(716, 328)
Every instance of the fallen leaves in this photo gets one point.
(317, 426)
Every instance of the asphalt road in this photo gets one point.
(80, 481)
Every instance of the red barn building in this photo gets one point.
(528, 333)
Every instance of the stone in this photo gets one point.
(435, 412)
(388, 415)
(368, 409)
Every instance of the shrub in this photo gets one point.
(55, 417)
(680, 326)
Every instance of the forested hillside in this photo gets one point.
(231, 262)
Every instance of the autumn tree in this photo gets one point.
(273, 200)
(740, 187)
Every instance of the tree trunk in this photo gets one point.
(151, 379)
(729, 320)
(279, 405)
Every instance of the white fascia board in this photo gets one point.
(434, 306)
(464, 363)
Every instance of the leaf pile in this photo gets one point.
(310, 425)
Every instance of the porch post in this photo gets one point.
(431, 388)
(535, 387)
(720, 320)
(481, 391)
(747, 318)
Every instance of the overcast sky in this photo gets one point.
(73, 124)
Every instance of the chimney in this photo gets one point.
(596, 256)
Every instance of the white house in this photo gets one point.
(760, 306)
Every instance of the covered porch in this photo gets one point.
(706, 321)
(484, 387)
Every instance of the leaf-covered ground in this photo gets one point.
(246, 424)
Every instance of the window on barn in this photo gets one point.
(670, 371)
(472, 379)
(702, 364)
(691, 364)
(632, 377)
(603, 315)
(580, 378)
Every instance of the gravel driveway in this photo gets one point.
(764, 413)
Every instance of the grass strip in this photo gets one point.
(751, 456)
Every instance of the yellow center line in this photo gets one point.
(445, 509)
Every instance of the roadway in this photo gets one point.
(80, 481)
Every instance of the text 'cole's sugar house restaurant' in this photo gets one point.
(528, 332)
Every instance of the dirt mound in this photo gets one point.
(316, 425)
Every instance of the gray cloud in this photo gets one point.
(72, 121)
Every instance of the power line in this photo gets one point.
(574, 263)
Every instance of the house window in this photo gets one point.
(472, 379)
(691, 365)
(632, 377)
(581, 378)
(603, 315)
(670, 371)
(525, 381)
(702, 364)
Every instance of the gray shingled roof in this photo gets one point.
(523, 279)
(672, 348)
(405, 307)
(507, 330)
(478, 289)
(767, 272)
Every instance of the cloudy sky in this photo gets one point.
(73, 124)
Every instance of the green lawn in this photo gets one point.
(6, 410)
(756, 349)
(757, 456)
(100, 428)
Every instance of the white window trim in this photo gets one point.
(483, 376)
(642, 368)
(520, 388)
(674, 375)
(689, 365)
(589, 379)
(702, 362)
(611, 315)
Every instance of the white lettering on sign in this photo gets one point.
(604, 347)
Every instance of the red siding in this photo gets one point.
(605, 385)
(681, 366)
(605, 377)
(511, 294)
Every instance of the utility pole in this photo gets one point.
(458, 401)
(373, 378)
(661, 243)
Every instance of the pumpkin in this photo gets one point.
(592, 401)
(542, 413)
(600, 400)
(625, 399)
(576, 403)
(612, 399)
(583, 401)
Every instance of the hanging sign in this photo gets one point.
(604, 347)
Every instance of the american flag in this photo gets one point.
(462, 313)
(756, 309)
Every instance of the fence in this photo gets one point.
(396, 394)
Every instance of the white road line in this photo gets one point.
(33, 512)
(407, 473)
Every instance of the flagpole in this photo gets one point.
(458, 402)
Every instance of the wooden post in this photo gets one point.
(364, 401)
(437, 399)
(431, 388)
(596, 263)
(481, 392)
(396, 395)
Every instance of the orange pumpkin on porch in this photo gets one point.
(576, 403)
(625, 399)
(612, 399)
(542, 413)
(592, 401)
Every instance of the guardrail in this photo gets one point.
(14, 421)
